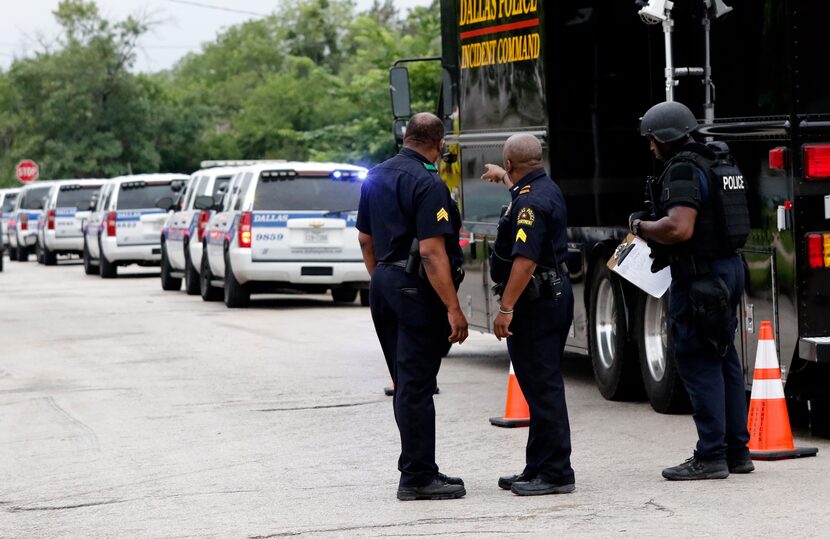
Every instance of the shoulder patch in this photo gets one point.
(521, 236)
(430, 168)
(526, 217)
(524, 190)
(442, 215)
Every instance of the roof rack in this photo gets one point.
(238, 163)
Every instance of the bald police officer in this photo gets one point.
(415, 310)
(536, 310)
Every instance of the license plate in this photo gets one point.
(316, 236)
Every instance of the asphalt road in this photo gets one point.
(126, 411)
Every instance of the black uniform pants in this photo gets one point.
(411, 324)
(715, 383)
(540, 328)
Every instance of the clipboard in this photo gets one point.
(632, 262)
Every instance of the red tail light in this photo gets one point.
(777, 158)
(203, 220)
(111, 224)
(818, 250)
(24, 222)
(50, 220)
(245, 229)
(816, 161)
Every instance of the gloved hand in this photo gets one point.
(641, 215)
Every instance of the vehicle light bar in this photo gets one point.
(818, 250)
(276, 175)
(816, 161)
(238, 163)
(348, 175)
(133, 185)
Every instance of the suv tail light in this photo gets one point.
(245, 229)
(111, 224)
(24, 222)
(816, 161)
(204, 217)
(50, 220)
(818, 250)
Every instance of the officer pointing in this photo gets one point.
(536, 310)
(408, 230)
(700, 219)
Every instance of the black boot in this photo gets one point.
(506, 481)
(450, 480)
(742, 465)
(539, 487)
(694, 469)
(437, 490)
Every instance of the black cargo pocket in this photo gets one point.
(413, 292)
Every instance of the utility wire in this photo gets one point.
(219, 8)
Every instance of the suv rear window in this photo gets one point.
(140, 195)
(76, 196)
(32, 198)
(306, 194)
(8, 202)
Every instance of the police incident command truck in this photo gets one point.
(67, 207)
(286, 226)
(125, 225)
(184, 231)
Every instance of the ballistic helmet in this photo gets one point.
(668, 121)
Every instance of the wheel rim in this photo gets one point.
(605, 324)
(655, 337)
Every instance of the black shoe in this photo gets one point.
(437, 490)
(743, 465)
(506, 481)
(694, 469)
(450, 480)
(539, 487)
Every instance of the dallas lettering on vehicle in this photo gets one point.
(504, 49)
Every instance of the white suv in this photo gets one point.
(67, 208)
(286, 226)
(127, 221)
(24, 219)
(184, 230)
(7, 198)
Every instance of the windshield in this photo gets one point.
(143, 196)
(32, 198)
(76, 196)
(306, 194)
(8, 202)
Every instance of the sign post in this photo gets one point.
(27, 171)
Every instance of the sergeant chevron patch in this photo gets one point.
(442, 215)
(521, 236)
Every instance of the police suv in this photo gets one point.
(184, 230)
(66, 210)
(7, 198)
(125, 225)
(285, 226)
(24, 219)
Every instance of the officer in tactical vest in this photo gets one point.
(536, 310)
(698, 221)
(409, 227)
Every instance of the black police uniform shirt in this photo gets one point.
(403, 198)
(534, 224)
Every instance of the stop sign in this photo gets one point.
(27, 171)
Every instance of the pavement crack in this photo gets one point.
(657, 506)
(321, 406)
(19, 509)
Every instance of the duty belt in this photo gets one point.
(397, 263)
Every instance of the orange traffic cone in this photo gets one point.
(516, 412)
(770, 436)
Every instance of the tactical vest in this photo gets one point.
(722, 224)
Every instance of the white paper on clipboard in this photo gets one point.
(632, 262)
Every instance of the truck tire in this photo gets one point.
(38, 253)
(12, 253)
(49, 257)
(106, 269)
(612, 354)
(90, 268)
(207, 290)
(344, 295)
(1, 258)
(21, 254)
(168, 282)
(662, 382)
(191, 274)
(236, 295)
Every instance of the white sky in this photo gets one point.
(182, 27)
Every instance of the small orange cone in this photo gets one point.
(516, 412)
(770, 436)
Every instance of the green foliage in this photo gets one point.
(308, 82)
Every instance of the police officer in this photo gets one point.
(692, 230)
(415, 309)
(536, 310)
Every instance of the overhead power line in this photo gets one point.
(218, 8)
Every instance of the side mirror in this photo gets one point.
(399, 92)
(204, 203)
(165, 203)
